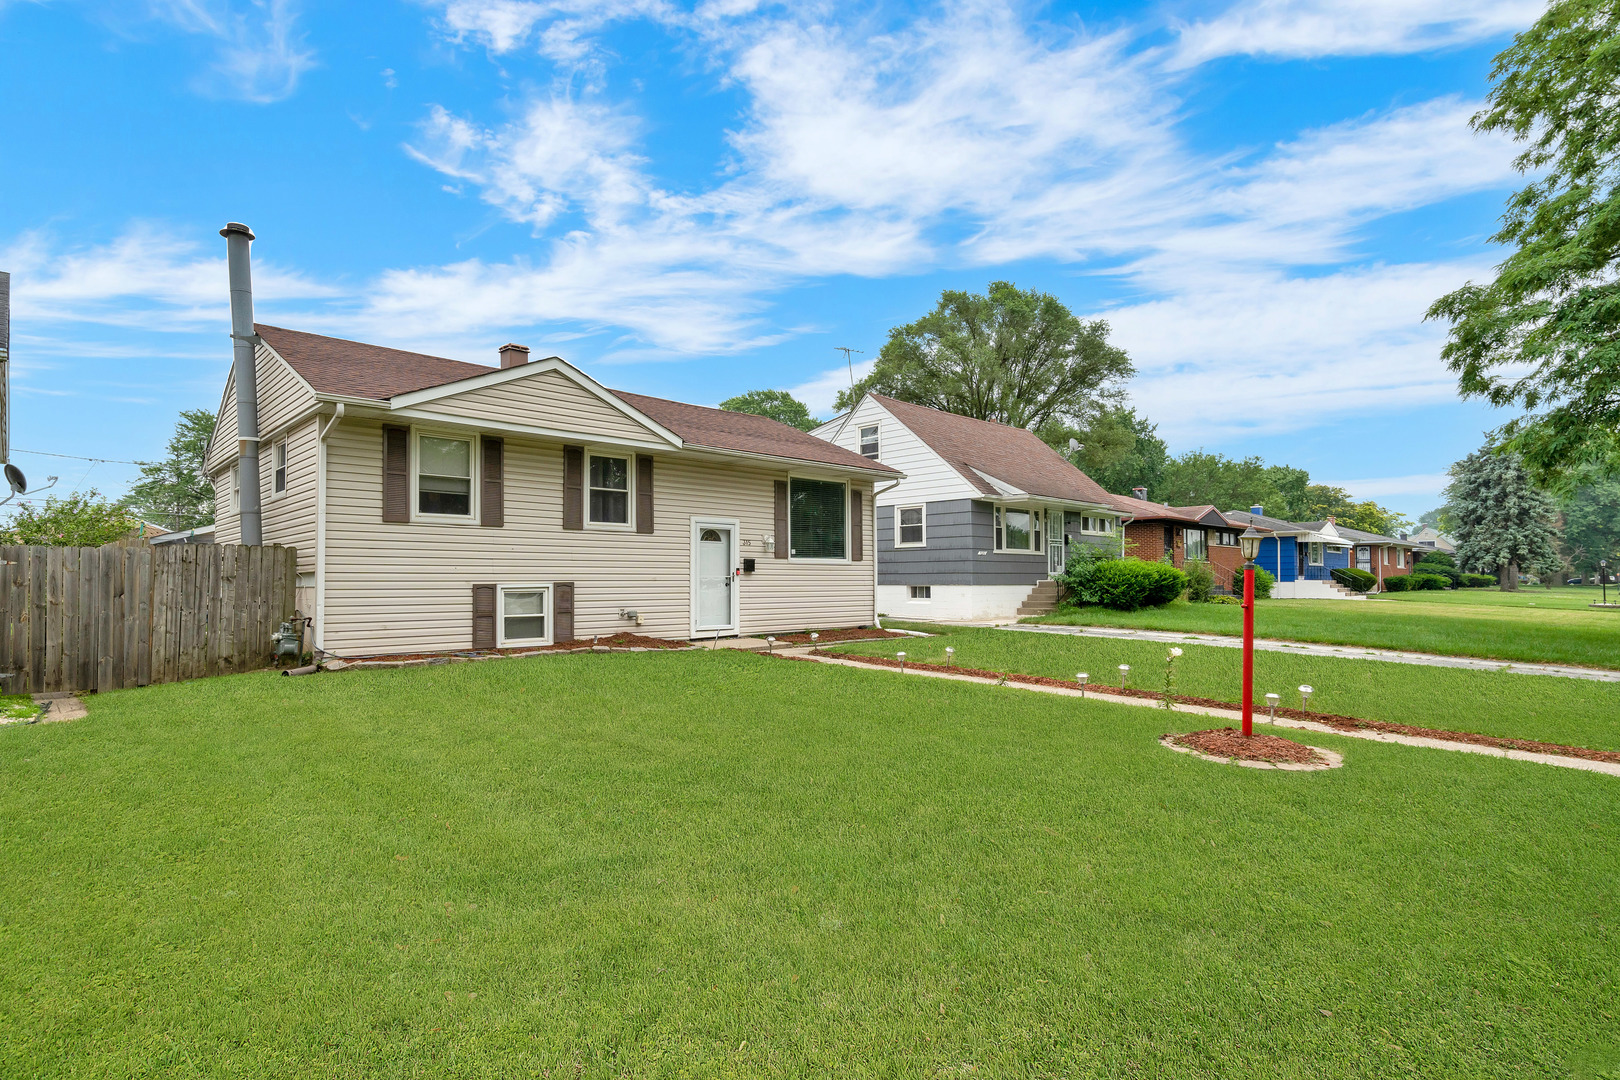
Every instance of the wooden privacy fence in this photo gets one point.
(110, 617)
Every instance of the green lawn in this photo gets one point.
(712, 864)
(1551, 626)
(1577, 712)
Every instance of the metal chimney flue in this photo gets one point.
(514, 355)
(1140, 493)
(243, 339)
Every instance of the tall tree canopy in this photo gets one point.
(1014, 355)
(779, 405)
(1118, 449)
(1503, 523)
(174, 492)
(1592, 524)
(1545, 335)
(82, 519)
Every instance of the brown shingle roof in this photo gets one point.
(355, 369)
(1013, 455)
(1143, 510)
(703, 426)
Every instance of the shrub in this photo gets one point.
(1427, 581)
(1263, 581)
(1221, 598)
(1128, 584)
(1478, 581)
(1200, 581)
(1351, 578)
(1432, 559)
(1079, 577)
(1397, 584)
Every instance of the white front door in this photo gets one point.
(714, 584)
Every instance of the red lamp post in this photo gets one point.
(1250, 543)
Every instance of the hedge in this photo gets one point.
(1351, 578)
(1397, 584)
(1427, 581)
(1128, 584)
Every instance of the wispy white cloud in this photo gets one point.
(261, 53)
(1313, 28)
(820, 392)
(1387, 486)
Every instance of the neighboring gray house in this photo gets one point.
(983, 512)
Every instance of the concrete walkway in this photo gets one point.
(1307, 648)
(1558, 760)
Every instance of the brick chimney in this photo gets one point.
(514, 355)
(1140, 493)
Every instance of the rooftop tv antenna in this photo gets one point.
(846, 350)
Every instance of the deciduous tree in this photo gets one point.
(82, 519)
(1014, 355)
(779, 405)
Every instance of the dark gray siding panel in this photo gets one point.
(957, 531)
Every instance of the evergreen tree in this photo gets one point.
(1592, 525)
(1502, 522)
(779, 405)
(175, 492)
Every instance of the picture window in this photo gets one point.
(818, 513)
(1196, 548)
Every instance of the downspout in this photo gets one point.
(322, 430)
(237, 238)
(877, 620)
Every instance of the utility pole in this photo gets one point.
(5, 367)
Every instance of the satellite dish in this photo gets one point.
(1074, 445)
(15, 477)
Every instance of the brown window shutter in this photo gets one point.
(396, 474)
(483, 617)
(644, 493)
(782, 538)
(573, 487)
(492, 497)
(856, 526)
(562, 610)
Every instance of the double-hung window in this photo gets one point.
(1196, 547)
(233, 485)
(610, 490)
(818, 516)
(869, 442)
(280, 483)
(908, 526)
(1316, 553)
(523, 615)
(444, 476)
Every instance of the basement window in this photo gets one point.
(922, 592)
(523, 614)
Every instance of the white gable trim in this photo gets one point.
(537, 367)
(1001, 486)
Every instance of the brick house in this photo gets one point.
(1155, 532)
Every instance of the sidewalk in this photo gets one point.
(1342, 652)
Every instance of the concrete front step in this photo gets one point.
(1041, 599)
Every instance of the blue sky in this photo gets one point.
(687, 200)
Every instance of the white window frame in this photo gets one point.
(1186, 548)
(792, 476)
(1314, 553)
(629, 456)
(476, 452)
(504, 642)
(1037, 531)
(921, 508)
(877, 440)
(913, 596)
(233, 485)
(1094, 525)
(278, 464)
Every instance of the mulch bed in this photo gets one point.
(1343, 723)
(616, 641)
(829, 637)
(1230, 743)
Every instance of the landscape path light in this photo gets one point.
(1271, 703)
(770, 645)
(950, 655)
(1305, 693)
(1081, 679)
(1250, 543)
(902, 657)
(1124, 673)
(814, 637)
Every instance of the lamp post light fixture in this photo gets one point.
(1305, 693)
(1271, 703)
(1250, 543)
(1124, 673)
(1081, 679)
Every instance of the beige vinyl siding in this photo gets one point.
(283, 396)
(227, 523)
(289, 519)
(222, 447)
(408, 587)
(545, 399)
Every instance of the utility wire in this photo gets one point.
(77, 457)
